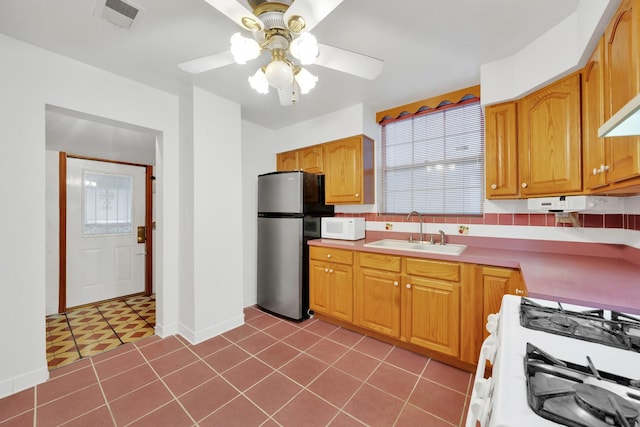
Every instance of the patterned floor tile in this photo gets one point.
(132, 336)
(62, 334)
(61, 359)
(85, 320)
(62, 346)
(99, 347)
(95, 336)
(132, 325)
(89, 330)
(78, 313)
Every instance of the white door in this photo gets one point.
(105, 206)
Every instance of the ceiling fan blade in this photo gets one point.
(290, 95)
(313, 11)
(237, 13)
(206, 63)
(349, 62)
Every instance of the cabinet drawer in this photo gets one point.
(435, 269)
(339, 256)
(379, 261)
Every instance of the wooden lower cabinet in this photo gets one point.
(331, 282)
(378, 293)
(437, 308)
(431, 314)
(496, 282)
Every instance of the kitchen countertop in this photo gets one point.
(566, 272)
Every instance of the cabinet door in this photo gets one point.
(496, 282)
(319, 287)
(593, 147)
(378, 301)
(550, 150)
(622, 82)
(287, 161)
(311, 159)
(501, 156)
(432, 314)
(343, 180)
(342, 292)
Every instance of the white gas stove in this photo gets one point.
(562, 377)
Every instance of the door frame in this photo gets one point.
(62, 200)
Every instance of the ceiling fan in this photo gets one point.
(282, 29)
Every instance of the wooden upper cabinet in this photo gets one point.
(501, 156)
(311, 159)
(287, 161)
(349, 171)
(622, 82)
(549, 140)
(593, 147)
(308, 159)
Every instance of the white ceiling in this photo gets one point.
(429, 47)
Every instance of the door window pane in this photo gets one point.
(107, 203)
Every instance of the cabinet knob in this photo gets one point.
(326, 270)
(519, 292)
(328, 255)
(330, 270)
(408, 285)
(395, 283)
(524, 185)
(494, 186)
(604, 168)
(596, 171)
(357, 195)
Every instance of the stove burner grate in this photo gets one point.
(604, 404)
(621, 331)
(579, 395)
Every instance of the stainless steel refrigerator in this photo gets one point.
(290, 205)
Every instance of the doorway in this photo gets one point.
(105, 230)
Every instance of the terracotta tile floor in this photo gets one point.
(268, 372)
(93, 329)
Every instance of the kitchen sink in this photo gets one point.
(424, 247)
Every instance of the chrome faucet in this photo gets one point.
(420, 217)
(441, 237)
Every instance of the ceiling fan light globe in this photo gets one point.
(259, 82)
(244, 49)
(305, 48)
(305, 80)
(279, 74)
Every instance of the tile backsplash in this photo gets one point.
(624, 221)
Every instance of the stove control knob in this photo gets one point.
(482, 387)
(492, 323)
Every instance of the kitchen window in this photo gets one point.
(433, 161)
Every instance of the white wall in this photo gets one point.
(258, 157)
(31, 78)
(211, 216)
(563, 49)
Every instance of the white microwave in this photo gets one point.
(342, 228)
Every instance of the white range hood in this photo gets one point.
(625, 122)
(586, 204)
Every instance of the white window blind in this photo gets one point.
(433, 163)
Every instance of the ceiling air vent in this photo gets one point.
(118, 12)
